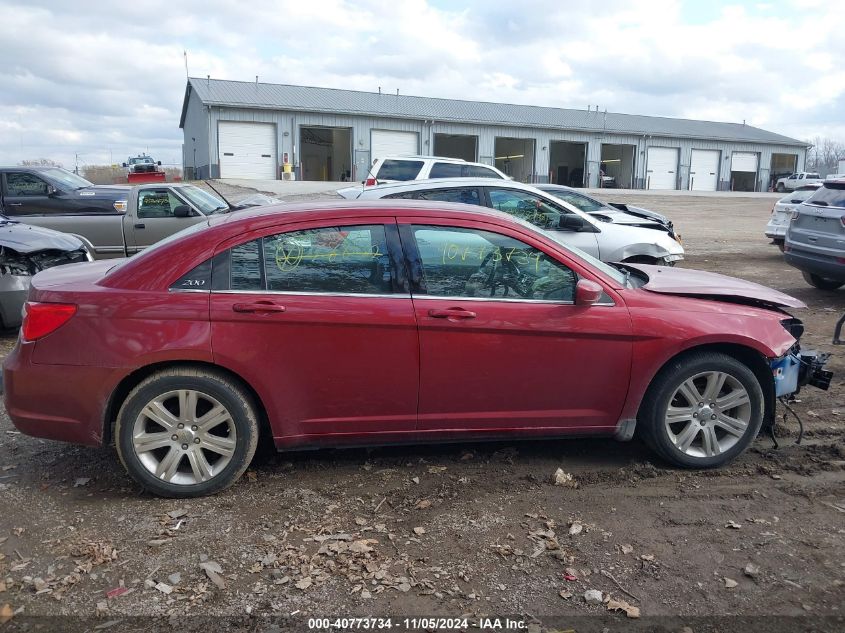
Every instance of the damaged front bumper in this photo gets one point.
(798, 368)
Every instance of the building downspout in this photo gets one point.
(208, 142)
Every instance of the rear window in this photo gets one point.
(831, 195)
(799, 195)
(399, 169)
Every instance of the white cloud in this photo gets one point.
(106, 82)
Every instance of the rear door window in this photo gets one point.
(333, 260)
(20, 184)
(399, 169)
(526, 205)
(447, 170)
(464, 195)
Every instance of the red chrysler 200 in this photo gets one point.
(390, 321)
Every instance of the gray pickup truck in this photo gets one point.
(149, 213)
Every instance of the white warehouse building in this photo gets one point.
(235, 129)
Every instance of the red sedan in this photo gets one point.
(389, 321)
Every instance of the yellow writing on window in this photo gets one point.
(522, 257)
(290, 256)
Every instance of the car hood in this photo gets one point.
(24, 238)
(639, 211)
(705, 285)
(618, 217)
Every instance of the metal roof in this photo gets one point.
(247, 94)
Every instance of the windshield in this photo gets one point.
(831, 195)
(140, 161)
(614, 273)
(585, 204)
(202, 200)
(66, 178)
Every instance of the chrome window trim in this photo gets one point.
(506, 299)
(188, 290)
(308, 294)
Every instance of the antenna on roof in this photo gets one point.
(256, 81)
(379, 89)
(397, 92)
(208, 80)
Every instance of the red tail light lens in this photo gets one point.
(369, 182)
(40, 319)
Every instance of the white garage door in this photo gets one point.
(744, 161)
(247, 150)
(391, 143)
(662, 168)
(704, 170)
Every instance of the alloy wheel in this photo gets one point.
(708, 414)
(184, 437)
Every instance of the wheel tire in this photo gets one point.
(781, 188)
(666, 385)
(779, 244)
(822, 283)
(212, 389)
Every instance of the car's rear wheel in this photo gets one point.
(186, 432)
(822, 283)
(702, 410)
(781, 188)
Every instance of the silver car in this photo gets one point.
(607, 241)
(24, 251)
(815, 239)
(782, 212)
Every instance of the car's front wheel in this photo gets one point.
(702, 410)
(822, 283)
(186, 432)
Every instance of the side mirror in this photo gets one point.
(182, 211)
(570, 222)
(123, 165)
(51, 190)
(158, 163)
(587, 292)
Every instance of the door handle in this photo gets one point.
(140, 225)
(259, 307)
(14, 204)
(452, 314)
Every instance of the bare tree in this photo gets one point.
(40, 162)
(824, 155)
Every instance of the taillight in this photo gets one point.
(40, 319)
(795, 215)
(369, 182)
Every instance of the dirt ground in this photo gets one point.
(459, 531)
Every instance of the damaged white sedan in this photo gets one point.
(608, 241)
(24, 251)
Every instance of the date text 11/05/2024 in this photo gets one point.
(416, 624)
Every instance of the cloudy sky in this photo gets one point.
(103, 80)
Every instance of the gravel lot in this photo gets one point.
(469, 530)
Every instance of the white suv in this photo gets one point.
(400, 168)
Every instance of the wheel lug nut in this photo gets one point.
(194, 427)
(184, 447)
(196, 440)
(695, 415)
(174, 438)
(712, 417)
(181, 426)
(700, 404)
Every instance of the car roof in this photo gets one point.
(443, 183)
(304, 211)
(423, 157)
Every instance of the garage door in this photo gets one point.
(662, 168)
(704, 170)
(391, 143)
(247, 150)
(744, 161)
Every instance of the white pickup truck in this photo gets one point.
(793, 181)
